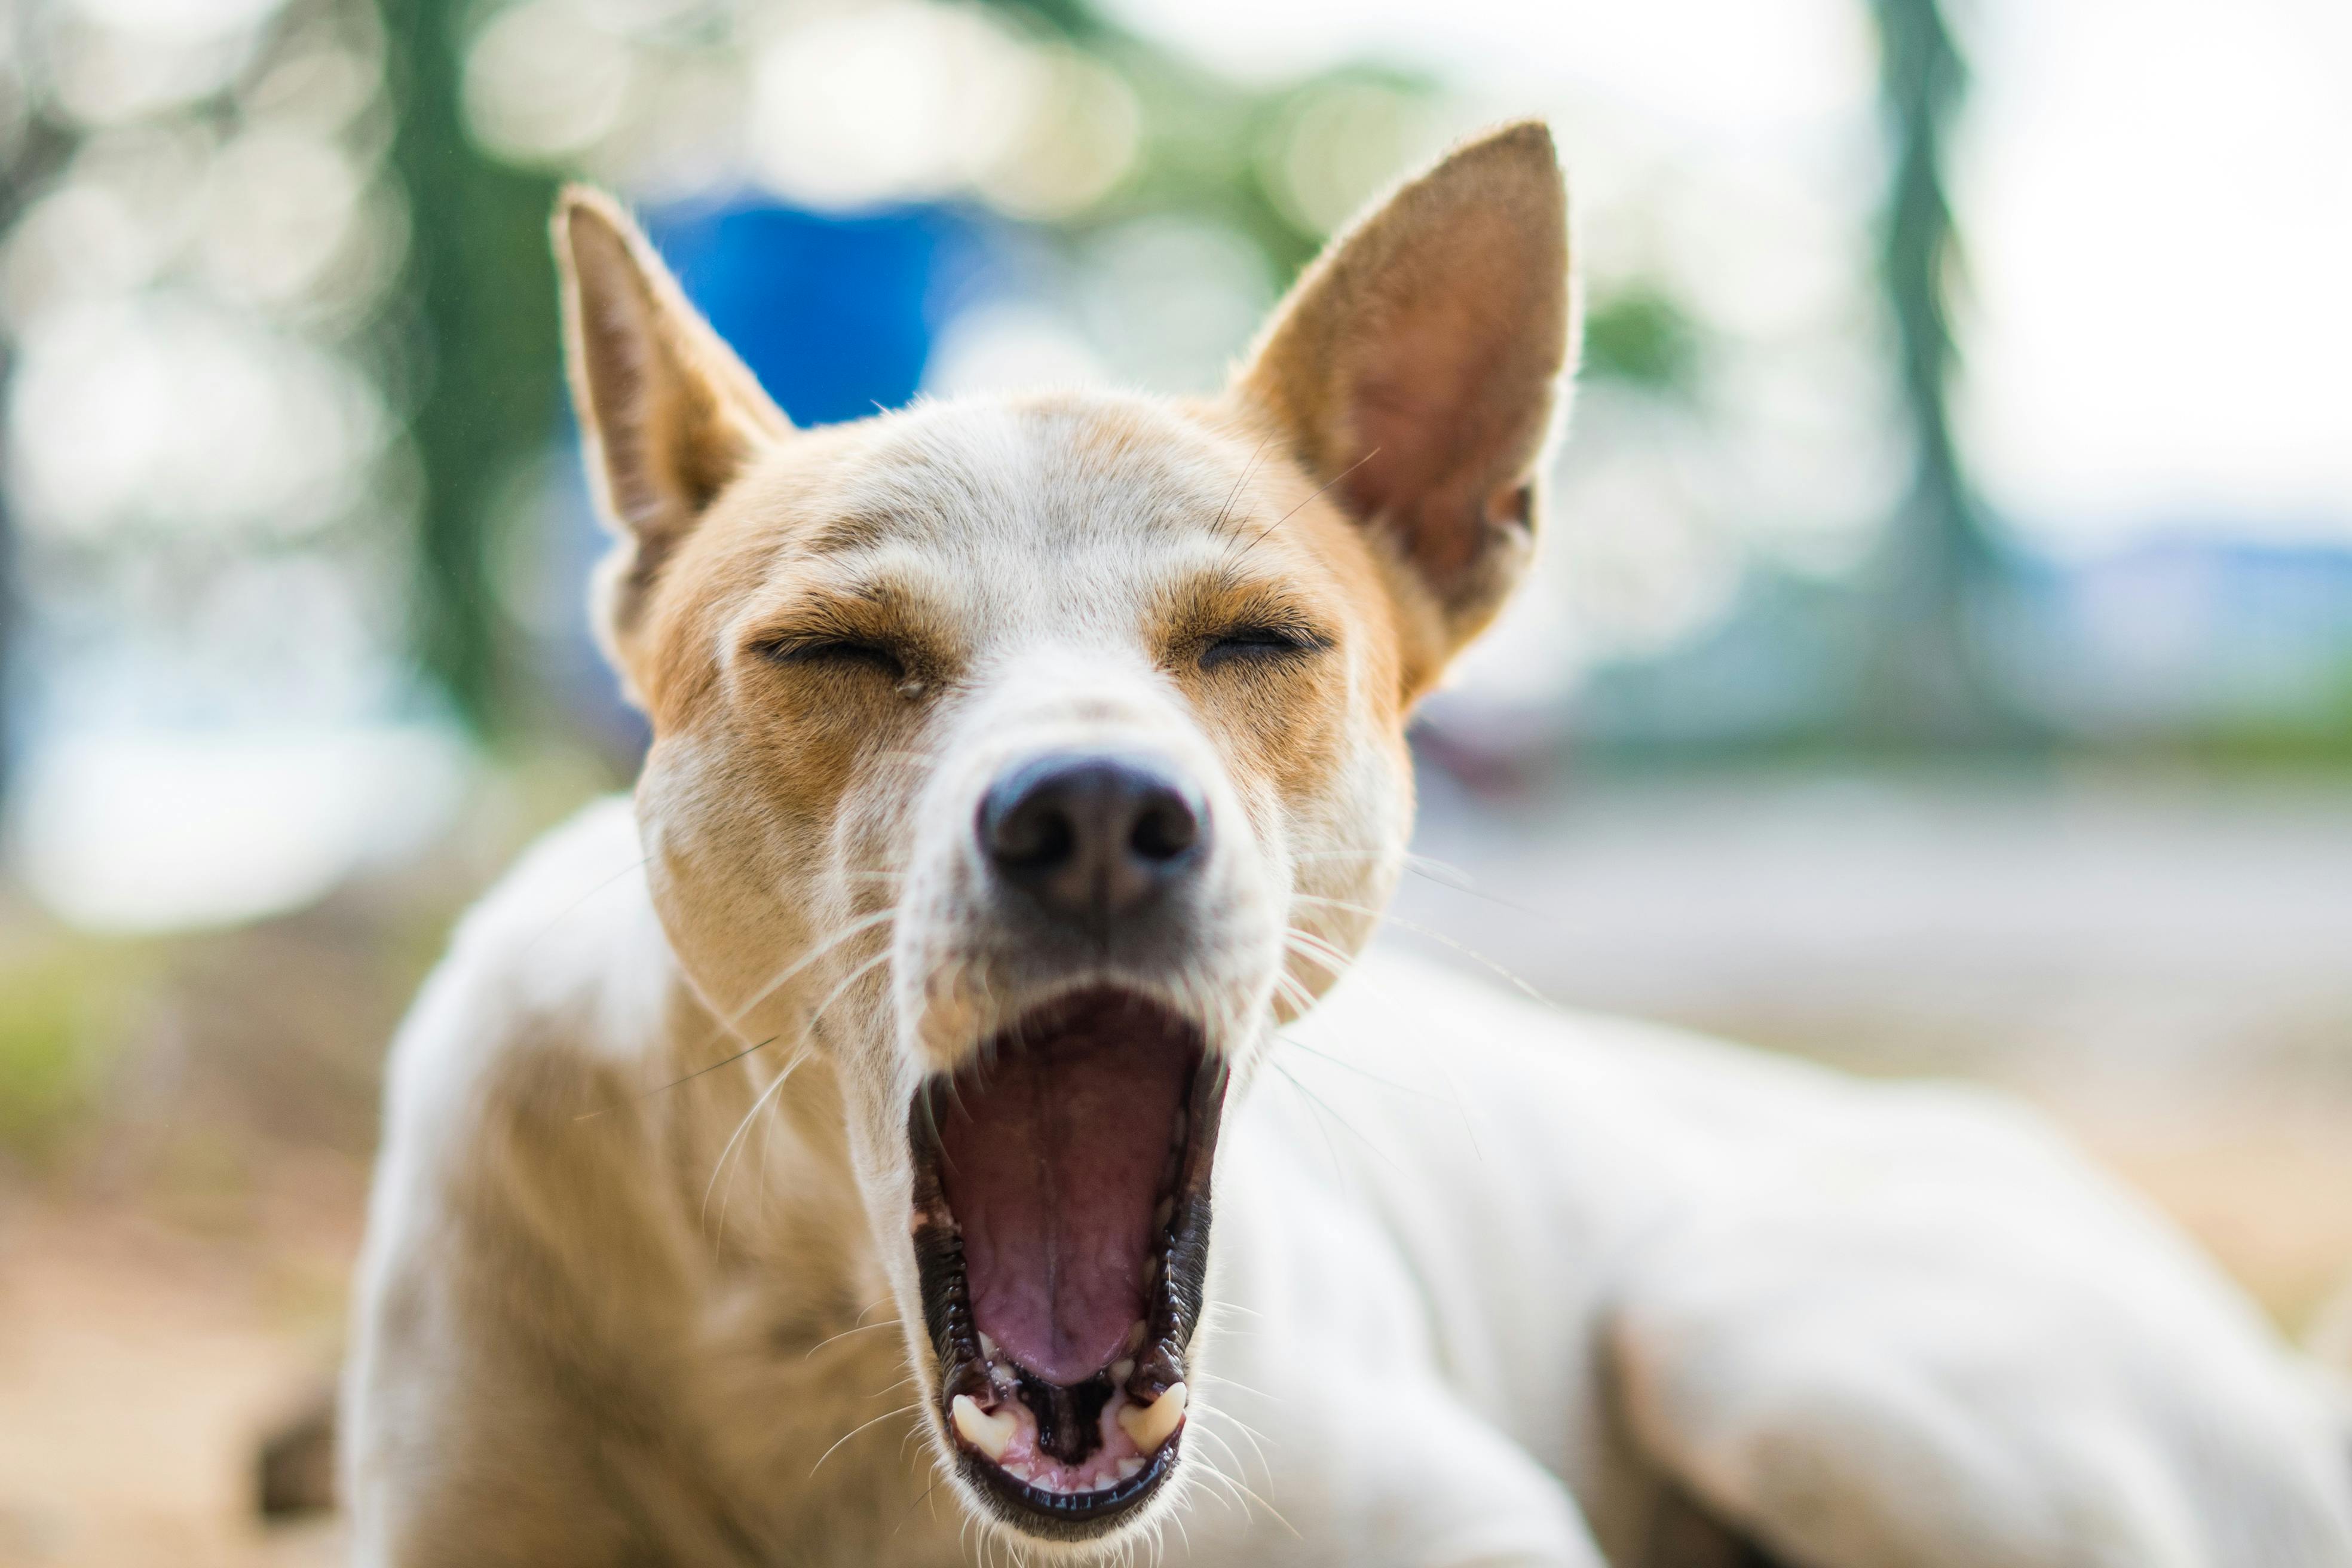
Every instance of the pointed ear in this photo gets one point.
(667, 414)
(1415, 367)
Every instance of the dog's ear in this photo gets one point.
(1415, 367)
(667, 414)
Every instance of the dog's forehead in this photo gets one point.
(1072, 502)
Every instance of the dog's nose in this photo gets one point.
(1093, 837)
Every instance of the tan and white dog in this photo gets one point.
(812, 1161)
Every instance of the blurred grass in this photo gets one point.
(65, 1003)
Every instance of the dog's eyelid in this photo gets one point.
(1275, 633)
(833, 646)
(1264, 638)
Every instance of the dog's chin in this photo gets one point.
(1061, 1230)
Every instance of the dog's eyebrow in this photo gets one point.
(858, 529)
(874, 603)
(1226, 595)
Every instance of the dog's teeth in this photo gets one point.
(1149, 1425)
(1151, 1272)
(987, 1433)
(1129, 1467)
(1122, 1369)
(987, 1347)
(1163, 1214)
(1135, 1333)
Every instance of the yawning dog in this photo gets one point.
(943, 1113)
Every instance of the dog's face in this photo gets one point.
(1025, 762)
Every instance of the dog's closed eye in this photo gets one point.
(836, 652)
(1260, 643)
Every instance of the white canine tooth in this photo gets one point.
(1149, 1425)
(987, 1346)
(1122, 1369)
(987, 1433)
(1135, 1333)
(1151, 1272)
(1129, 1467)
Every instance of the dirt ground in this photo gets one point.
(139, 1366)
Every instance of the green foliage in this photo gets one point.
(1640, 336)
(61, 1004)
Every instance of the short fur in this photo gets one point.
(1490, 1283)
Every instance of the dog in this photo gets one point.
(947, 1111)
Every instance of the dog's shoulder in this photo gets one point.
(504, 1193)
(555, 993)
(565, 956)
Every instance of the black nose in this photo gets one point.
(1093, 839)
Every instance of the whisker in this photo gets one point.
(1314, 946)
(769, 1093)
(1464, 949)
(1348, 904)
(1460, 1108)
(1234, 495)
(1294, 511)
(1342, 1120)
(1254, 1497)
(1252, 1435)
(689, 1078)
(574, 906)
(783, 1077)
(1382, 1080)
(862, 923)
(919, 1501)
(1293, 991)
(854, 1431)
(860, 1329)
(1313, 1107)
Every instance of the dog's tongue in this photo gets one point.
(1052, 1157)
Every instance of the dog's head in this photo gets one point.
(1027, 761)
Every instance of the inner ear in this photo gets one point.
(1416, 366)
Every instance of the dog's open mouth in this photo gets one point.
(1061, 1227)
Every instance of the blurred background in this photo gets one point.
(1940, 660)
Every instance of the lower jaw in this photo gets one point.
(1071, 1514)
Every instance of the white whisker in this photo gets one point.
(854, 1431)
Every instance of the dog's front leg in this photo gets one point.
(1399, 1474)
(1467, 1495)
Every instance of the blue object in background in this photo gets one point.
(833, 314)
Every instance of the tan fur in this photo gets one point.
(639, 1285)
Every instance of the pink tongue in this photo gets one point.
(1052, 1158)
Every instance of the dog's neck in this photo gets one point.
(796, 1339)
(759, 1134)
